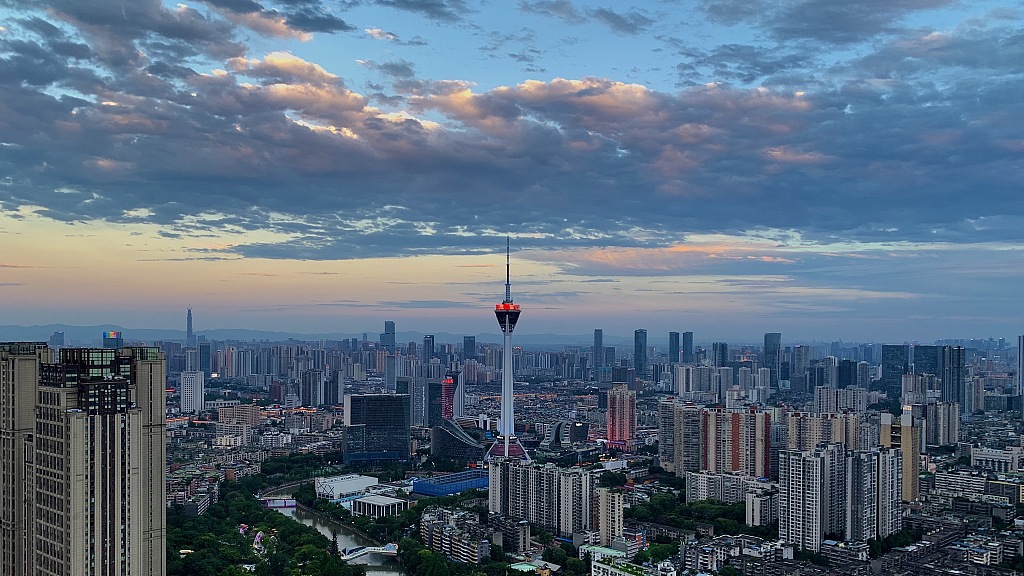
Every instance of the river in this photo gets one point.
(376, 565)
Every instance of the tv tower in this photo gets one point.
(507, 313)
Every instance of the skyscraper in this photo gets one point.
(927, 360)
(621, 416)
(387, 338)
(113, 340)
(428, 347)
(378, 427)
(673, 347)
(95, 432)
(507, 314)
(205, 357)
(895, 363)
(954, 379)
(598, 350)
(773, 356)
(468, 348)
(687, 352)
(719, 354)
(1020, 367)
(640, 353)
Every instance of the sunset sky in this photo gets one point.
(834, 170)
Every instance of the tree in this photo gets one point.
(612, 479)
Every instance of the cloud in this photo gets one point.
(293, 20)
(631, 22)
(873, 150)
(441, 10)
(380, 34)
(395, 68)
(424, 304)
(832, 23)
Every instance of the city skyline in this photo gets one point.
(712, 166)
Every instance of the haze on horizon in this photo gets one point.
(826, 170)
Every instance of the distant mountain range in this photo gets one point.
(92, 336)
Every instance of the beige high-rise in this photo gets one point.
(904, 432)
(92, 463)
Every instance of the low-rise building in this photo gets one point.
(456, 534)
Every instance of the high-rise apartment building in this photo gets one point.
(621, 416)
(193, 392)
(608, 514)
(904, 432)
(828, 399)
(807, 430)
(667, 456)
(84, 487)
(557, 499)
(640, 353)
(679, 436)
(736, 441)
(942, 423)
(873, 493)
(811, 495)
(673, 347)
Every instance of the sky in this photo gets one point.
(829, 170)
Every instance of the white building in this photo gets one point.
(193, 392)
(762, 507)
(337, 487)
(1008, 460)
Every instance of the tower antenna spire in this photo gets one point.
(508, 273)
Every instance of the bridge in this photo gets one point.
(277, 502)
(358, 551)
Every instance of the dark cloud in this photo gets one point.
(441, 10)
(884, 147)
(630, 22)
(394, 68)
(562, 9)
(317, 20)
(826, 21)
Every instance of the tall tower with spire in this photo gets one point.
(507, 313)
(190, 337)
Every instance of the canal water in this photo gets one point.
(376, 564)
